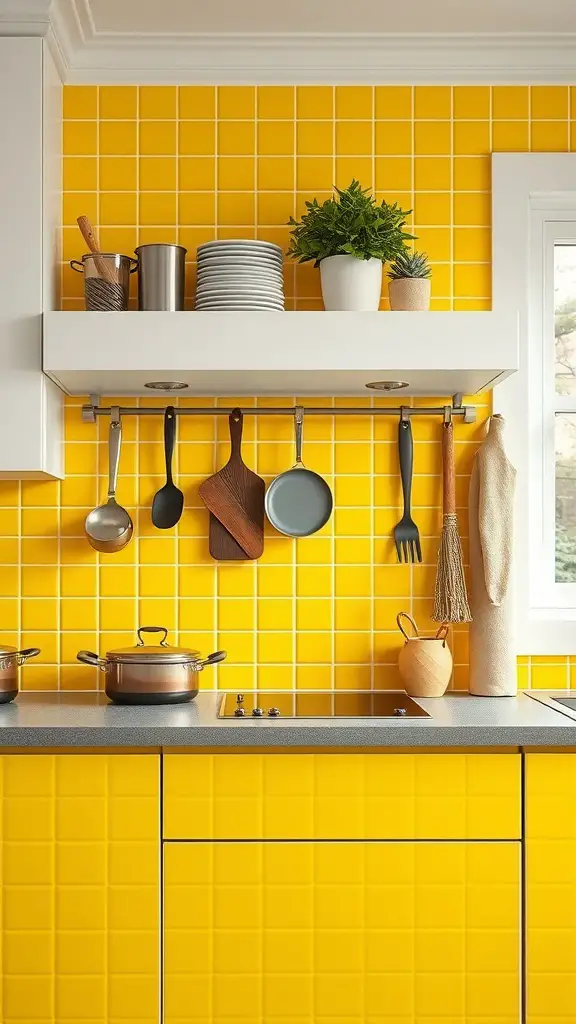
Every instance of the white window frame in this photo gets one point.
(533, 201)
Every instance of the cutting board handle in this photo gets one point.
(236, 421)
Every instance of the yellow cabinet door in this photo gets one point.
(551, 888)
(79, 844)
(342, 933)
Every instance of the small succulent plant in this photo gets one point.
(409, 264)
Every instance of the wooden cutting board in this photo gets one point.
(235, 498)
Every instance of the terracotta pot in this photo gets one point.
(425, 662)
(409, 293)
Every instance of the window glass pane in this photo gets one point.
(566, 497)
(565, 317)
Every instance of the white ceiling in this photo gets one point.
(437, 16)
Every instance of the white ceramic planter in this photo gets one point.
(409, 293)
(348, 283)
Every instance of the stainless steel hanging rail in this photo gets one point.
(468, 412)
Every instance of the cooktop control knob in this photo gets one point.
(273, 712)
(400, 711)
(257, 712)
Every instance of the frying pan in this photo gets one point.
(298, 502)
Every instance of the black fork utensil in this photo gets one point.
(406, 536)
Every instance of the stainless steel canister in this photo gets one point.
(161, 276)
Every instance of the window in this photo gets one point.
(534, 267)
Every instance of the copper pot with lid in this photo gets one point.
(151, 674)
(10, 660)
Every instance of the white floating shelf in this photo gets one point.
(299, 353)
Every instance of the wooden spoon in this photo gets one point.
(169, 500)
(89, 235)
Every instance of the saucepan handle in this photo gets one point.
(89, 658)
(212, 659)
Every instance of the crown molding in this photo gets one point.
(86, 56)
(24, 17)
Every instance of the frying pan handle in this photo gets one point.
(299, 429)
(236, 421)
(89, 658)
(212, 659)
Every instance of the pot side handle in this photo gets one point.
(30, 652)
(89, 658)
(212, 659)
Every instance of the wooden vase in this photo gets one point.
(424, 662)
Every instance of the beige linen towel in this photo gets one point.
(491, 516)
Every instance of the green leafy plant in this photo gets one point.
(409, 264)
(351, 223)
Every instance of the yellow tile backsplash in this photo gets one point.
(193, 163)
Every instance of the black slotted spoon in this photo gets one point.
(406, 535)
(169, 500)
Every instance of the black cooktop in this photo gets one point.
(274, 704)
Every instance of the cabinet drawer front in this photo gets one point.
(342, 796)
(342, 932)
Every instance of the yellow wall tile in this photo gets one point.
(393, 137)
(117, 138)
(157, 174)
(80, 101)
(510, 136)
(275, 173)
(393, 101)
(157, 138)
(236, 138)
(354, 137)
(510, 101)
(117, 102)
(275, 138)
(196, 138)
(197, 101)
(196, 173)
(354, 101)
(157, 101)
(79, 138)
(432, 101)
(237, 101)
(314, 102)
(432, 137)
(549, 101)
(549, 136)
(472, 101)
(471, 137)
(275, 101)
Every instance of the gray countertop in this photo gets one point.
(458, 720)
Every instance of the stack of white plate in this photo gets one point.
(235, 275)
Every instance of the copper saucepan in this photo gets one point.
(10, 659)
(154, 674)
